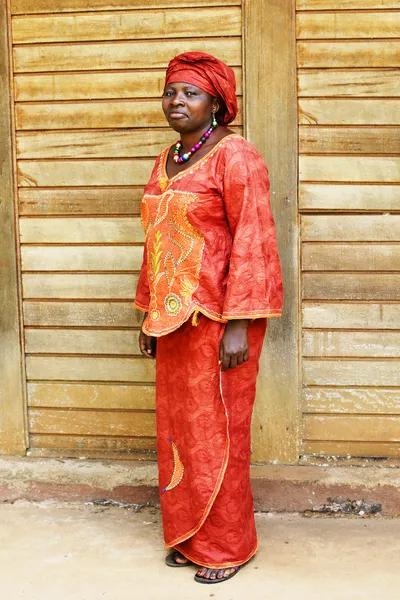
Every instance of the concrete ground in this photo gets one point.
(55, 551)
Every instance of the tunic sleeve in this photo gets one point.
(254, 284)
(142, 299)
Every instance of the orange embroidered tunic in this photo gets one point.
(210, 241)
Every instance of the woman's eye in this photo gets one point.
(169, 93)
(191, 93)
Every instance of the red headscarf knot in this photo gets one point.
(208, 73)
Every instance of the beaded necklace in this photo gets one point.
(185, 157)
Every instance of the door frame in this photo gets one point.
(270, 119)
(13, 425)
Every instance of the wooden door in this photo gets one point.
(87, 76)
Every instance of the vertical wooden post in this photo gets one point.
(12, 402)
(271, 125)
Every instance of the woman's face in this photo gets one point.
(187, 107)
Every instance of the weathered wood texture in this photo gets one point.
(271, 125)
(130, 25)
(88, 76)
(349, 143)
(26, 7)
(12, 403)
(104, 85)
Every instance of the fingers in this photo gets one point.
(225, 361)
(146, 346)
(231, 361)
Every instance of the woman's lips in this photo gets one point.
(176, 115)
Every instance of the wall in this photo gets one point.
(349, 171)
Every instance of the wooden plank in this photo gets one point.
(355, 197)
(96, 85)
(82, 341)
(342, 4)
(365, 428)
(81, 314)
(96, 396)
(81, 258)
(13, 439)
(94, 114)
(352, 343)
(119, 55)
(84, 172)
(137, 143)
(91, 422)
(53, 6)
(348, 112)
(350, 83)
(129, 25)
(348, 54)
(351, 257)
(336, 228)
(78, 368)
(108, 230)
(385, 373)
(61, 453)
(351, 400)
(355, 315)
(89, 115)
(112, 286)
(351, 286)
(350, 168)
(361, 449)
(89, 201)
(349, 140)
(93, 446)
(347, 25)
(270, 106)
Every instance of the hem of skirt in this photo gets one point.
(217, 488)
(220, 565)
(195, 308)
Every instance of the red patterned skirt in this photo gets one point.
(203, 433)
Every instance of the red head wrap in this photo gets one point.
(208, 73)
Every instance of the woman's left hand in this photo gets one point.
(234, 348)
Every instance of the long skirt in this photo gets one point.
(203, 438)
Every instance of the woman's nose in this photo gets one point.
(177, 99)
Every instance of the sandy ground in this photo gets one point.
(54, 551)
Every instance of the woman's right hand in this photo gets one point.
(147, 344)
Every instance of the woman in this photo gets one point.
(210, 278)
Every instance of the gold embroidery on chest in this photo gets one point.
(175, 250)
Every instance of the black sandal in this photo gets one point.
(217, 580)
(170, 560)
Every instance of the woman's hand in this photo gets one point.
(234, 348)
(147, 344)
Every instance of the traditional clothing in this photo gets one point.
(210, 241)
(210, 256)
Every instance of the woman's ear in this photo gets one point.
(215, 105)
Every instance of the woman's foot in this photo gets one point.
(205, 575)
(176, 559)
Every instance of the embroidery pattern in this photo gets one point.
(178, 471)
(175, 251)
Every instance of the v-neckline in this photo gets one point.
(193, 167)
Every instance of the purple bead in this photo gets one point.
(193, 149)
(207, 134)
(197, 146)
(203, 139)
